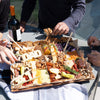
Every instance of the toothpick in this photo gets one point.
(67, 42)
(14, 42)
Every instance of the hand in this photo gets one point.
(60, 28)
(5, 42)
(94, 58)
(5, 52)
(22, 26)
(93, 41)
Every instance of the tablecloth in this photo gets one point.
(71, 91)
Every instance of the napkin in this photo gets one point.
(71, 91)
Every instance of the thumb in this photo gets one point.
(95, 52)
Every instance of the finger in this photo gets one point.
(90, 56)
(1, 60)
(60, 30)
(4, 59)
(95, 52)
(91, 40)
(55, 31)
(9, 55)
(5, 42)
(22, 29)
(14, 57)
(49, 30)
(94, 62)
(93, 43)
(66, 31)
(63, 31)
(90, 59)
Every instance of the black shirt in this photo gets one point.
(53, 11)
(4, 12)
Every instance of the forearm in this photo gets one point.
(27, 8)
(77, 14)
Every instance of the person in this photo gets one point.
(4, 12)
(4, 51)
(94, 56)
(60, 15)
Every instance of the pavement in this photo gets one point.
(89, 26)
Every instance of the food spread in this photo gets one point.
(43, 63)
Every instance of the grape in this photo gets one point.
(59, 46)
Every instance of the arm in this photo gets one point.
(69, 24)
(4, 11)
(77, 14)
(27, 8)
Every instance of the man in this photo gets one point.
(94, 57)
(60, 15)
(5, 52)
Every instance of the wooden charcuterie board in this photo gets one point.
(43, 64)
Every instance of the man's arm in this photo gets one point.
(4, 11)
(27, 8)
(77, 14)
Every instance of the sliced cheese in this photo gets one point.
(53, 53)
(69, 63)
(45, 76)
(55, 71)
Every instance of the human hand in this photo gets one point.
(22, 26)
(60, 28)
(5, 42)
(5, 52)
(94, 58)
(93, 41)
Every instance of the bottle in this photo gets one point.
(14, 26)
